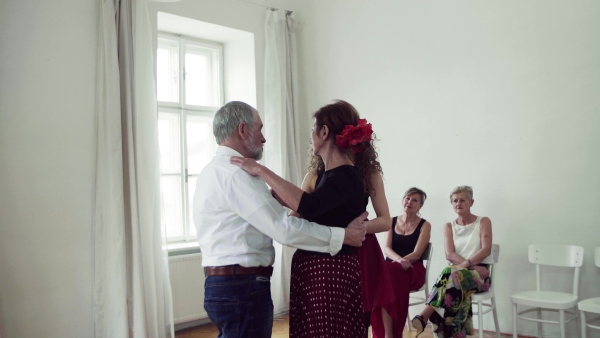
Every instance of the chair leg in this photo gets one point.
(495, 314)
(539, 324)
(577, 319)
(480, 318)
(562, 323)
(583, 324)
(514, 320)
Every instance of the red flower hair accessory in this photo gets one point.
(355, 136)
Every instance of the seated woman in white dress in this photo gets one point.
(468, 241)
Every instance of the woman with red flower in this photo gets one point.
(356, 139)
(326, 296)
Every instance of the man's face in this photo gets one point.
(254, 143)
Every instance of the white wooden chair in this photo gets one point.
(568, 256)
(417, 299)
(591, 305)
(479, 298)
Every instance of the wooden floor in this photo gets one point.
(280, 330)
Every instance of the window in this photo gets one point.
(189, 92)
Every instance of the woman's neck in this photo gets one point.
(333, 158)
(410, 218)
(466, 219)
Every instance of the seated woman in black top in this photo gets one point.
(405, 243)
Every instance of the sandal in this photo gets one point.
(419, 324)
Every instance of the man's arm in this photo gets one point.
(354, 234)
(252, 201)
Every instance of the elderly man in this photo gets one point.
(237, 218)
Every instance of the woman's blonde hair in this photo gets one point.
(414, 190)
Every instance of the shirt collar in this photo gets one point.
(224, 150)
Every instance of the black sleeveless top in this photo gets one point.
(404, 245)
(339, 197)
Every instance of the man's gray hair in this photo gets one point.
(462, 188)
(229, 117)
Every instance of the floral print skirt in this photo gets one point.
(451, 297)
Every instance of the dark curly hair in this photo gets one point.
(336, 116)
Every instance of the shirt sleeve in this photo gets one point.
(250, 198)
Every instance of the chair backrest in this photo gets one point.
(556, 255)
(597, 258)
(493, 257)
(490, 261)
(426, 256)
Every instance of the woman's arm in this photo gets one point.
(451, 255)
(422, 243)
(387, 249)
(383, 221)
(486, 243)
(287, 192)
(308, 184)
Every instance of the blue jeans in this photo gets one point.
(240, 306)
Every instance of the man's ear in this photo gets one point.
(242, 130)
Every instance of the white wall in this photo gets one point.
(503, 96)
(47, 84)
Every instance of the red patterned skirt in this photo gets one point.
(325, 297)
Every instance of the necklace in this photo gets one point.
(406, 226)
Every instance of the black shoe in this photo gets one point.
(419, 324)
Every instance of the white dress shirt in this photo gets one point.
(237, 218)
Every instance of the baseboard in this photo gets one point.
(493, 333)
(193, 323)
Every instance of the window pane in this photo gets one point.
(191, 190)
(201, 143)
(172, 206)
(169, 143)
(201, 76)
(167, 70)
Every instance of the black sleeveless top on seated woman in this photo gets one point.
(404, 245)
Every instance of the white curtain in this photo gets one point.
(2, 334)
(282, 150)
(132, 294)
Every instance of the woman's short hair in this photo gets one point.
(414, 190)
(462, 188)
(229, 117)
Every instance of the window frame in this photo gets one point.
(184, 111)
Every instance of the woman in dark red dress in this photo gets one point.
(405, 243)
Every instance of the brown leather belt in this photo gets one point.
(232, 270)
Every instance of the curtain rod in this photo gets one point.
(268, 7)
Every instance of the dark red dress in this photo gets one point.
(403, 282)
(377, 288)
